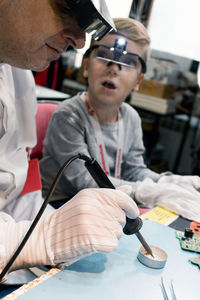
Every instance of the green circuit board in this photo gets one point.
(189, 243)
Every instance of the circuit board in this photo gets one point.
(189, 243)
(195, 227)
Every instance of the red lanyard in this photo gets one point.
(100, 141)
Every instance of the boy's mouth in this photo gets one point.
(109, 85)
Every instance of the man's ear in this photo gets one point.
(138, 82)
(85, 68)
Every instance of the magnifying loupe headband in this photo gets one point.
(93, 17)
(117, 54)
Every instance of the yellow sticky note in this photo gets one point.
(160, 215)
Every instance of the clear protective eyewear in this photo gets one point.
(93, 17)
(118, 55)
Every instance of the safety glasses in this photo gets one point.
(93, 17)
(118, 56)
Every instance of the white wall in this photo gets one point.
(119, 8)
(174, 27)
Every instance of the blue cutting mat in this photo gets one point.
(119, 275)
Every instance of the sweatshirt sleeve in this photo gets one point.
(65, 138)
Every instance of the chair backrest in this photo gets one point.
(43, 116)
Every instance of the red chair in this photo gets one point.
(44, 112)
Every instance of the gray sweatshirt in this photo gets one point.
(71, 132)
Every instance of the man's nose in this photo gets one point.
(77, 39)
(80, 42)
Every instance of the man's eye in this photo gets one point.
(63, 10)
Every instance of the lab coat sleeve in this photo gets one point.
(36, 251)
(11, 235)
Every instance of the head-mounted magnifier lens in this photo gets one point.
(93, 17)
(118, 54)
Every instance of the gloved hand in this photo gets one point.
(92, 221)
(182, 180)
(127, 189)
(182, 199)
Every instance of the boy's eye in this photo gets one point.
(104, 53)
(130, 60)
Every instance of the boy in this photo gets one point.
(98, 123)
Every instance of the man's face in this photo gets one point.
(108, 83)
(34, 33)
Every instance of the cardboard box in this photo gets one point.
(156, 89)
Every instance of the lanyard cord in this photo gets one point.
(100, 141)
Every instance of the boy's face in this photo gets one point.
(109, 82)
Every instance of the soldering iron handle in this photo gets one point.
(132, 225)
(98, 174)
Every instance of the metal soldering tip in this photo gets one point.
(144, 243)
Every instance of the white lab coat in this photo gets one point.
(17, 129)
(17, 133)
